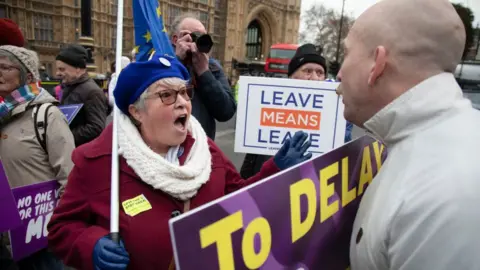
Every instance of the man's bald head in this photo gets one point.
(185, 24)
(392, 47)
(424, 34)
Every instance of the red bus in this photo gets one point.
(276, 64)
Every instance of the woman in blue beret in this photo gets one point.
(167, 164)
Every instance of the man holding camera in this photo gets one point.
(213, 98)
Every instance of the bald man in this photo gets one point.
(421, 210)
(214, 100)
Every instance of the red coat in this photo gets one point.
(82, 217)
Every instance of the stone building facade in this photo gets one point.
(241, 29)
(48, 25)
(252, 26)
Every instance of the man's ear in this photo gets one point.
(80, 71)
(174, 39)
(380, 61)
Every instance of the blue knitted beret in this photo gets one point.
(138, 76)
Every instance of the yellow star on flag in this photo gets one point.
(164, 28)
(136, 49)
(159, 12)
(148, 36)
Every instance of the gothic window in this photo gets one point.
(217, 26)
(3, 12)
(49, 67)
(114, 37)
(214, 52)
(43, 26)
(77, 28)
(114, 8)
(254, 41)
(173, 12)
(204, 19)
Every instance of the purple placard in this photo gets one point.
(35, 204)
(70, 111)
(9, 217)
(298, 219)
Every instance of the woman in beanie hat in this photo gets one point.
(25, 159)
(166, 159)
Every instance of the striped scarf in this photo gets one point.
(22, 95)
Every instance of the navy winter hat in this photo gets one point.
(74, 55)
(306, 53)
(138, 76)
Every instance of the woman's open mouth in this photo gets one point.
(181, 122)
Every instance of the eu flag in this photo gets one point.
(150, 32)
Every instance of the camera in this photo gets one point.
(204, 41)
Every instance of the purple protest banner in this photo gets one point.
(70, 111)
(35, 205)
(9, 217)
(301, 218)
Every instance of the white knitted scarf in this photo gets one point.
(181, 182)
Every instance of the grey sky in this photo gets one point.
(356, 7)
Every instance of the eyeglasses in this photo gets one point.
(7, 68)
(169, 97)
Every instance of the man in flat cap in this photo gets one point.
(79, 88)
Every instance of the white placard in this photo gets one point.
(271, 110)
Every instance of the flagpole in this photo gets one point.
(114, 196)
(340, 33)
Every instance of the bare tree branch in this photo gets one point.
(322, 27)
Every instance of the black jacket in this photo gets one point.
(252, 164)
(90, 121)
(213, 99)
(6, 260)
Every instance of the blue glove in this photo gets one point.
(110, 256)
(293, 151)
